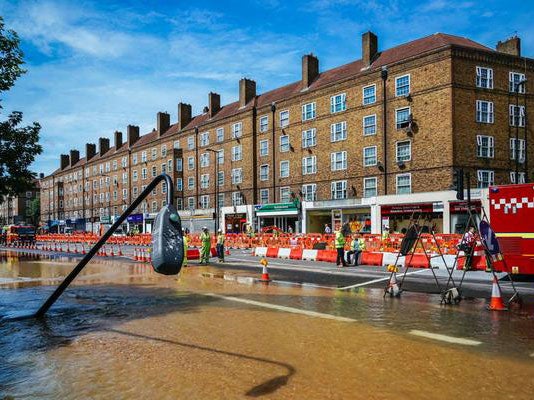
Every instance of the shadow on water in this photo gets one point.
(264, 388)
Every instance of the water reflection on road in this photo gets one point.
(124, 332)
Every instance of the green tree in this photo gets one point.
(19, 145)
(35, 210)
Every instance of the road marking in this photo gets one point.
(445, 338)
(377, 280)
(281, 308)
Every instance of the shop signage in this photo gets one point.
(135, 218)
(277, 207)
(458, 207)
(407, 208)
(105, 219)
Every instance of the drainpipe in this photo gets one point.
(384, 76)
(273, 110)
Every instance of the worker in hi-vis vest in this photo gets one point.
(340, 247)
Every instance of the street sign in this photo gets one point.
(489, 237)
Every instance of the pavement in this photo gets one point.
(476, 284)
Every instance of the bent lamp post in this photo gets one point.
(167, 242)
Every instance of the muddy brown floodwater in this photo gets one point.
(123, 332)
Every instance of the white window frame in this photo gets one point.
(237, 130)
(366, 188)
(264, 176)
(338, 103)
(264, 199)
(366, 162)
(335, 135)
(309, 192)
(481, 174)
(204, 160)
(264, 148)
(366, 125)
(220, 157)
(309, 138)
(237, 176)
(284, 122)
(522, 142)
(237, 153)
(400, 91)
(338, 193)
(366, 100)
(334, 161)
(204, 181)
(521, 177)
(398, 189)
(204, 201)
(191, 203)
(309, 165)
(190, 163)
(191, 182)
(190, 142)
(284, 166)
(283, 197)
(237, 199)
(308, 111)
(400, 158)
(515, 116)
(490, 115)
(204, 139)
(399, 124)
(264, 123)
(219, 132)
(485, 146)
(283, 148)
(484, 77)
(512, 82)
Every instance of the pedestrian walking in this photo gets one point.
(340, 247)
(205, 239)
(220, 245)
(467, 245)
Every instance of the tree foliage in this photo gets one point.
(35, 210)
(19, 145)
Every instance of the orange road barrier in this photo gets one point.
(371, 258)
(327, 255)
(272, 252)
(417, 260)
(296, 254)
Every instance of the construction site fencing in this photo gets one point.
(373, 242)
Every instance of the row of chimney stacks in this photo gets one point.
(247, 93)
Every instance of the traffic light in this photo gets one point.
(458, 183)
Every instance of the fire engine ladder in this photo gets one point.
(452, 294)
(408, 249)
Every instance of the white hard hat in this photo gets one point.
(219, 230)
(204, 228)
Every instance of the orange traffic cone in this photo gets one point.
(265, 273)
(496, 303)
(393, 288)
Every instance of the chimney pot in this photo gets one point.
(369, 48)
(64, 161)
(103, 146)
(214, 103)
(310, 70)
(118, 140)
(184, 115)
(132, 132)
(510, 46)
(74, 157)
(90, 151)
(163, 122)
(247, 91)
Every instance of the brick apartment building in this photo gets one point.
(16, 209)
(365, 142)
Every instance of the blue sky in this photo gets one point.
(95, 67)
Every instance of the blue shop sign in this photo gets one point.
(135, 218)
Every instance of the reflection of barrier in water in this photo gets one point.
(167, 243)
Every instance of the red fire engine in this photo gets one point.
(511, 213)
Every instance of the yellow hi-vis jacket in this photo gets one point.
(340, 240)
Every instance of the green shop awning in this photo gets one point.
(277, 209)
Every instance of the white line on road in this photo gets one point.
(378, 280)
(445, 338)
(281, 308)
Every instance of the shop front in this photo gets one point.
(459, 215)
(278, 216)
(235, 222)
(357, 220)
(135, 223)
(397, 217)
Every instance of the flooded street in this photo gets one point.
(122, 331)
